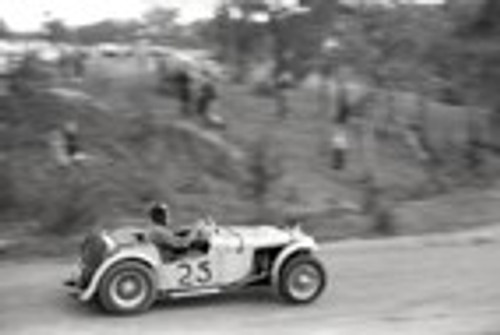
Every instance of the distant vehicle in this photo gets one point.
(159, 51)
(114, 50)
(125, 272)
(49, 54)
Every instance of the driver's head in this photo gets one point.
(160, 214)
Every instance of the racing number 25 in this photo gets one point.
(197, 273)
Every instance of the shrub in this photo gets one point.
(70, 210)
(29, 75)
(7, 191)
(263, 170)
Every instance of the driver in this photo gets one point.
(162, 233)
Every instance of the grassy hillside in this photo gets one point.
(141, 150)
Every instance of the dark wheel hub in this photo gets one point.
(304, 281)
(129, 287)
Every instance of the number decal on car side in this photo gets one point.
(195, 273)
(204, 273)
(186, 271)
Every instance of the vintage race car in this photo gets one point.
(125, 272)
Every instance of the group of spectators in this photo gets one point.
(33, 70)
(195, 93)
(72, 64)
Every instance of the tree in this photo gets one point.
(161, 18)
(264, 169)
(239, 39)
(57, 31)
(476, 17)
(4, 29)
(161, 22)
(108, 31)
(388, 46)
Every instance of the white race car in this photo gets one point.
(126, 273)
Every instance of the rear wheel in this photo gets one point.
(128, 287)
(302, 279)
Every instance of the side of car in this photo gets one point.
(131, 279)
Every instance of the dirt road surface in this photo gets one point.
(408, 286)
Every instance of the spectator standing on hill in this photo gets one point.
(182, 82)
(67, 146)
(207, 94)
(70, 136)
(79, 64)
(339, 142)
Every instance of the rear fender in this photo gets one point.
(288, 252)
(147, 256)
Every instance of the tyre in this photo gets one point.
(127, 287)
(302, 279)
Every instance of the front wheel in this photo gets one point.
(302, 279)
(128, 287)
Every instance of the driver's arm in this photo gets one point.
(166, 238)
(199, 231)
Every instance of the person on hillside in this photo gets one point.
(339, 145)
(344, 108)
(79, 64)
(67, 145)
(71, 139)
(182, 81)
(339, 141)
(207, 94)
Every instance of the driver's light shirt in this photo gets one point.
(165, 237)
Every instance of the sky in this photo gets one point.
(25, 15)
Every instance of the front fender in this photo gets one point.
(146, 254)
(300, 246)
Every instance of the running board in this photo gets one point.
(194, 292)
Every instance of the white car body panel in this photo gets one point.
(307, 245)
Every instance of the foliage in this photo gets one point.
(57, 31)
(7, 192)
(29, 75)
(161, 20)
(4, 29)
(467, 57)
(264, 170)
(107, 31)
(70, 204)
(237, 41)
(249, 31)
(474, 17)
(388, 46)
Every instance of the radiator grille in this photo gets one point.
(93, 252)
